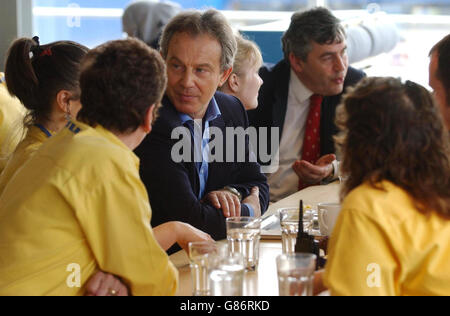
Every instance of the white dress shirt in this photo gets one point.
(284, 181)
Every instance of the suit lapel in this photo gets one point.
(169, 114)
(214, 167)
(281, 97)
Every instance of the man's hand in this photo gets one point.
(103, 284)
(225, 200)
(253, 200)
(312, 174)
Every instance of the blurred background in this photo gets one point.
(402, 31)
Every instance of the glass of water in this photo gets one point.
(243, 235)
(296, 274)
(200, 254)
(226, 275)
(289, 218)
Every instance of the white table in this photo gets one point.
(262, 282)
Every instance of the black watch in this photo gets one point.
(234, 191)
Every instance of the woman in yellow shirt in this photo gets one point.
(45, 79)
(78, 206)
(392, 234)
(11, 118)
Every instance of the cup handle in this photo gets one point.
(323, 212)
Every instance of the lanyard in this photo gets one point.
(44, 130)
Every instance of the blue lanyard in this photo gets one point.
(44, 130)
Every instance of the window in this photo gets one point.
(421, 22)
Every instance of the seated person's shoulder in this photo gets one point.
(269, 71)
(354, 76)
(94, 149)
(382, 200)
(230, 107)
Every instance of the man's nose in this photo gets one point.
(187, 81)
(341, 63)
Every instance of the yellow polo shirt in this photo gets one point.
(12, 113)
(76, 207)
(26, 148)
(381, 245)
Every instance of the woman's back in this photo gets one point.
(83, 204)
(11, 118)
(387, 246)
(25, 149)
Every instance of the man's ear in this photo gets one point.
(225, 76)
(296, 63)
(233, 83)
(148, 121)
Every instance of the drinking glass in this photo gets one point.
(226, 275)
(243, 235)
(289, 220)
(200, 254)
(296, 274)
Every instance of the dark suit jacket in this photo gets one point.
(173, 188)
(273, 97)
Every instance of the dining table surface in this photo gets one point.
(263, 281)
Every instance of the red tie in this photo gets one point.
(311, 143)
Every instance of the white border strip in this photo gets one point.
(81, 12)
(268, 16)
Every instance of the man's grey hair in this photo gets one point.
(195, 23)
(316, 25)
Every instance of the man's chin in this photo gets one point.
(335, 90)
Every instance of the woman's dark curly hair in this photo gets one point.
(393, 131)
(119, 82)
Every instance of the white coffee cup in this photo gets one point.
(328, 214)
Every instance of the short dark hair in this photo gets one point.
(210, 22)
(316, 25)
(35, 74)
(443, 71)
(393, 131)
(119, 81)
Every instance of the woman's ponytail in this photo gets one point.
(20, 76)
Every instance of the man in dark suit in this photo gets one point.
(190, 163)
(299, 96)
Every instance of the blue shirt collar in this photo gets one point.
(212, 112)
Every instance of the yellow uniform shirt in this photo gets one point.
(78, 205)
(382, 245)
(26, 148)
(12, 114)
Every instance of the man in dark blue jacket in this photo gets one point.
(195, 168)
(299, 97)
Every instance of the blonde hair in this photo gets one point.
(247, 52)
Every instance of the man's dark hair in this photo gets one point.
(443, 71)
(119, 81)
(316, 25)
